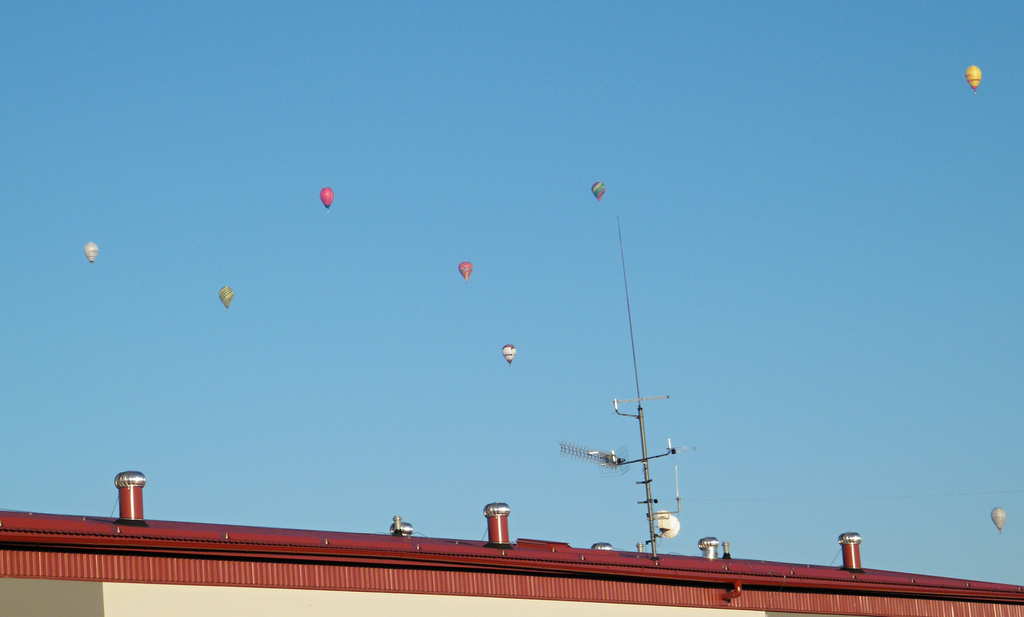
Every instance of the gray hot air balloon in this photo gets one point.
(999, 518)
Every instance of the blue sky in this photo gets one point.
(822, 233)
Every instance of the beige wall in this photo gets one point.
(138, 600)
(23, 597)
(45, 598)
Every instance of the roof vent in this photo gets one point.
(850, 542)
(709, 546)
(497, 524)
(400, 527)
(129, 494)
(602, 546)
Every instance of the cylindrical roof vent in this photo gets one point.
(400, 527)
(709, 546)
(129, 494)
(850, 542)
(602, 546)
(497, 524)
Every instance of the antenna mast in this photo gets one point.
(639, 415)
(661, 523)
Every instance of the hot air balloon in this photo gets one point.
(327, 196)
(973, 77)
(466, 269)
(91, 250)
(226, 295)
(509, 351)
(999, 518)
(597, 189)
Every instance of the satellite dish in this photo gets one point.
(667, 522)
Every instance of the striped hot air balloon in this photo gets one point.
(226, 295)
(597, 189)
(973, 77)
(91, 250)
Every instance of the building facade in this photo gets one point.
(82, 566)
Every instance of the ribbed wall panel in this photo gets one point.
(223, 572)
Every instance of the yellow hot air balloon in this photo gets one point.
(226, 295)
(973, 77)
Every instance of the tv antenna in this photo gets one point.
(605, 458)
(661, 523)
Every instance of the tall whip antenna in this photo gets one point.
(639, 400)
(629, 310)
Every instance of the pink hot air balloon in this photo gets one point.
(327, 196)
(466, 269)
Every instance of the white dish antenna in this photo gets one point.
(667, 523)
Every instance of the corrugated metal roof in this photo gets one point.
(23, 529)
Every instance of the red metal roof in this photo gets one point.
(78, 535)
(99, 532)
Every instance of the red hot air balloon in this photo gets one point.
(466, 269)
(327, 196)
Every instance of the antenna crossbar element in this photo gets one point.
(642, 398)
(639, 400)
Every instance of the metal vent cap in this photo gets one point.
(602, 546)
(850, 537)
(129, 478)
(400, 527)
(497, 509)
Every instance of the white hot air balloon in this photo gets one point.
(999, 518)
(91, 250)
(509, 352)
